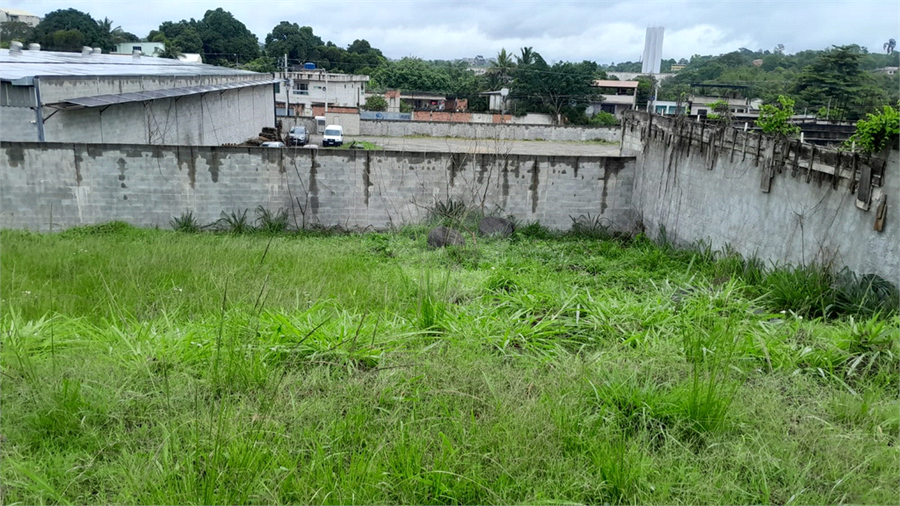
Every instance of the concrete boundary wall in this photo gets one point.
(56, 185)
(385, 128)
(775, 199)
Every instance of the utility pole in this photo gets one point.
(287, 86)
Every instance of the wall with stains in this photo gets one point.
(775, 199)
(55, 185)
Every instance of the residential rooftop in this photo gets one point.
(602, 83)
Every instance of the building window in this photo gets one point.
(277, 88)
(301, 89)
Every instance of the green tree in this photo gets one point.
(375, 103)
(563, 89)
(225, 39)
(644, 89)
(361, 58)
(833, 80)
(499, 74)
(188, 41)
(68, 30)
(265, 64)
(112, 37)
(15, 30)
(299, 43)
(67, 40)
(412, 74)
(179, 37)
(526, 56)
(775, 119)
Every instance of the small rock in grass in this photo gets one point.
(495, 226)
(440, 237)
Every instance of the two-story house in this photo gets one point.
(312, 92)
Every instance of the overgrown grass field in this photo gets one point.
(161, 367)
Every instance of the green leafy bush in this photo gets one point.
(775, 119)
(877, 131)
(375, 103)
(603, 118)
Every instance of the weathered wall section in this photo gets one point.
(387, 128)
(231, 116)
(76, 184)
(781, 201)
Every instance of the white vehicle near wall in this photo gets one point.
(334, 136)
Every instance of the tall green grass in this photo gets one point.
(156, 367)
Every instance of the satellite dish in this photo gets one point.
(504, 92)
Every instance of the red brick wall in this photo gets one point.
(320, 110)
(445, 116)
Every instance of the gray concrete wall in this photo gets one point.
(384, 128)
(61, 88)
(18, 124)
(782, 202)
(232, 116)
(73, 184)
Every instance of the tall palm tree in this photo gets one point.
(500, 72)
(527, 56)
(889, 46)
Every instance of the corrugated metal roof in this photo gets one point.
(22, 67)
(106, 100)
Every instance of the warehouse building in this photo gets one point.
(90, 97)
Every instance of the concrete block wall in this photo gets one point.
(18, 124)
(386, 128)
(63, 185)
(777, 200)
(60, 88)
(232, 116)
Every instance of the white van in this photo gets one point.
(334, 136)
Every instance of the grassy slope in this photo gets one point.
(156, 367)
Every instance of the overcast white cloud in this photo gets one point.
(602, 31)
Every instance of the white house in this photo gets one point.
(19, 15)
(146, 48)
(299, 92)
(618, 96)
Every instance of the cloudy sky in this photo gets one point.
(602, 31)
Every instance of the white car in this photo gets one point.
(272, 144)
(334, 135)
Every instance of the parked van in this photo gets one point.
(334, 135)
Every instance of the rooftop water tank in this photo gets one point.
(309, 66)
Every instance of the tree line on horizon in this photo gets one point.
(837, 82)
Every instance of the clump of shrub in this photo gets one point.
(108, 228)
(269, 222)
(186, 223)
(591, 227)
(603, 118)
(236, 222)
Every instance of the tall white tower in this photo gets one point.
(652, 50)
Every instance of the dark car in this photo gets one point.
(298, 136)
